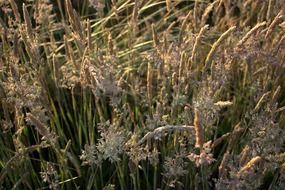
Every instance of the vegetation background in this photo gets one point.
(142, 94)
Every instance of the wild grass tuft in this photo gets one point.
(121, 94)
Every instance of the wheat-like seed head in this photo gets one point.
(168, 5)
(244, 156)
(198, 130)
(197, 41)
(253, 162)
(250, 33)
(149, 81)
(222, 167)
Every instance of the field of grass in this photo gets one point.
(142, 94)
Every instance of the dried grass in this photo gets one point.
(119, 96)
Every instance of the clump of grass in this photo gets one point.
(142, 94)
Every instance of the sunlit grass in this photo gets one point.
(141, 95)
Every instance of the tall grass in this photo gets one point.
(140, 95)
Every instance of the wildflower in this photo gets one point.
(174, 168)
(43, 12)
(112, 143)
(90, 155)
(267, 136)
(204, 158)
(43, 130)
(103, 80)
(97, 4)
(135, 152)
(4, 5)
(152, 156)
(50, 176)
(204, 103)
(154, 121)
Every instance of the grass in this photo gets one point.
(140, 95)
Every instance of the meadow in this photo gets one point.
(142, 94)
